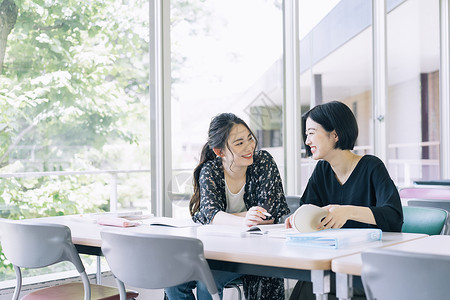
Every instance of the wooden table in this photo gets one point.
(255, 255)
(348, 266)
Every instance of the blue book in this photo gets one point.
(335, 238)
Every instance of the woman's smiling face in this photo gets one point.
(241, 146)
(319, 140)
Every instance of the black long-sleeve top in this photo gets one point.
(369, 185)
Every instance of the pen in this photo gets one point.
(265, 213)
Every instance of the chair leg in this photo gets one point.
(18, 283)
(238, 289)
(121, 287)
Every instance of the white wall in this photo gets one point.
(404, 120)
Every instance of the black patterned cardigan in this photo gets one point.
(263, 188)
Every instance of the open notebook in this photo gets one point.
(171, 222)
(118, 219)
(240, 231)
(305, 219)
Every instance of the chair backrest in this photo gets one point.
(424, 220)
(293, 202)
(28, 244)
(442, 204)
(425, 193)
(155, 261)
(391, 275)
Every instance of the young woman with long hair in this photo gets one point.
(235, 184)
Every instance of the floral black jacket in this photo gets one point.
(263, 188)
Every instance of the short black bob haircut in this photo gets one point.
(331, 116)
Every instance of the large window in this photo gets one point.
(413, 99)
(336, 62)
(74, 107)
(226, 57)
(74, 102)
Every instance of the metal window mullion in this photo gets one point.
(292, 111)
(444, 90)
(160, 141)
(379, 91)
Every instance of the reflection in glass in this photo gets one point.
(223, 60)
(413, 68)
(336, 64)
(74, 102)
(74, 121)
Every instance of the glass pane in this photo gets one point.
(413, 100)
(74, 101)
(336, 62)
(226, 57)
(74, 108)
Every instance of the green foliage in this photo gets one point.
(73, 96)
(24, 198)
(74, 70)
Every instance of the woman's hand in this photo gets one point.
(337, 216)
(288, 223)
(255, 216)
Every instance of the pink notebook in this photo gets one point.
(116, 221)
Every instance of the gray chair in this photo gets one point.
(392, 275)
(154, 261)
(442, 204)
(293, 203)
(28, 244)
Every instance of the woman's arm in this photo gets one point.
(269, 186)
(253, 216)
(338, 215)
(388, 211)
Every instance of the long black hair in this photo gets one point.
(218, 133)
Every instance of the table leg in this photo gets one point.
(98, 278)
(321, 283)
(344, 286)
